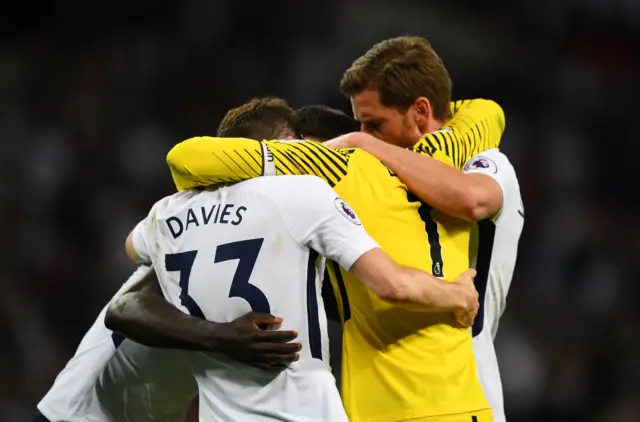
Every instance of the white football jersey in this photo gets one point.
(112, 379)
(497, 243)
(255, 246)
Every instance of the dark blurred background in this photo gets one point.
(94, 94)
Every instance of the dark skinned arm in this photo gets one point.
(144, 316)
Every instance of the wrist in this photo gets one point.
(209, 335)
(462, 298)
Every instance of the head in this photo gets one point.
(260, 118)
(321, 123)
(399, 90)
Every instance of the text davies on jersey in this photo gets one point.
(222, 214)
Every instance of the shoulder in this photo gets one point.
(283, 190)
(172, 204)
(476, 106)
(496, 165)
(284, 181)
(466, 112)
(491, 161)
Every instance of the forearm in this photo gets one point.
(150, 320)
(306, 157)
(204, 161)
(405, 287)
(419, 291)
(437, 184)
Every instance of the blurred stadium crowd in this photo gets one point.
(93, 95)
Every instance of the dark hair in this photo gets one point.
(260, 118)
(401, 69)
(322, 123)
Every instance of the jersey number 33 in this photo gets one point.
(245, 251)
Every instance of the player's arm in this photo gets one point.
(470, 196)
(321, 220)
(203, 161)
(143, 315)
(477, 125)
(416, 290)
(132, 251)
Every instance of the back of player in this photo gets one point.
(413, 364)
(111, 379)
(497, 241)
(221, 253)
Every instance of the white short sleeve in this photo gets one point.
(319, 219)
(141, 238)
(496, 165)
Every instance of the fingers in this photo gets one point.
(467, 277)
(272, 361)
(277, 348)
(274, 336)
(263, 319)
(277, 359)
(465, 318)
(469, 274)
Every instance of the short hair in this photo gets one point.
(260, 118)
(322, 123)
(401, 69)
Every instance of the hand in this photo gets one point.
(243, 340)
(467, 313)
(350, 140)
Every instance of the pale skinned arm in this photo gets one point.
(414, 289)
(472, 197)
(131, 251)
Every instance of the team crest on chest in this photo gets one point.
(344, 209)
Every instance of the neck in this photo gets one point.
(434, 124)
(431, 125)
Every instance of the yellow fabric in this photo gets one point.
(397, 364)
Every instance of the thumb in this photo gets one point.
(470, 274)
(260, 318)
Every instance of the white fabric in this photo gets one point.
(503, 232)
(251, 246)
(102, 383)
(137, 245)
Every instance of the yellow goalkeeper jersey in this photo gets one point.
(397, 364)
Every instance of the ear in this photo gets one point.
(423, 113)
(422, 107)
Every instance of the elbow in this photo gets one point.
(112, 317)
(176, 156)
(173, 154)
(471, 206)
(494, 109)
(387, 293)
(473, 212)
(185, 148)
(130, 250)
